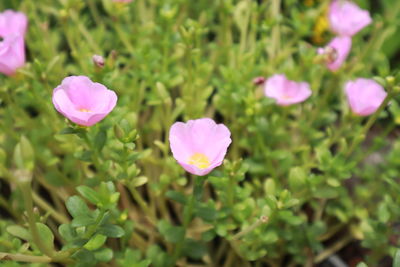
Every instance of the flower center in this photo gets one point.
(287, 97)
(199, 160)
(84, 110)
(331, 54)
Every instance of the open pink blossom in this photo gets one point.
(12, 54)
(199, 145)
(286, 92)
(13, 26)
(346, 18)
(83, 101)
(364, 96)
(336, 52)
(12, 23)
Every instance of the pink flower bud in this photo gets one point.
(346, 18)
(286, 92)
(364, 96)
(199, 145)
(258, 80)
(98, 61)
(336, 52)
(12, 23)
(12, 54)
(83, 101)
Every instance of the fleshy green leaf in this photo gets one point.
(95, 242)
(89, 194)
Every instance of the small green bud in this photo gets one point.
(119, 132)
(24, 155)
(390, 80)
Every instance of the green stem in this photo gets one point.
(188, 212)
(59, 217)
(333, 249)
(93, 228)
(95, 12)
(367, 126)
(24, 258)
(86, 34)
(260, 221)
(95, 154)
(28, 201)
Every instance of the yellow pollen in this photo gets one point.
(287, 97)
(84, 110)
(199, 160)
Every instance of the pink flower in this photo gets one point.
(12, 23)
(83, 101)
(336, 52)
(12, 49)
(12, 54)
(364, 96)
(286, 92)
(346, 18)
(98, 61)
(199, 145)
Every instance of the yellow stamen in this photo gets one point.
(199, 160)
(84, 110)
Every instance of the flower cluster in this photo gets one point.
(345, 20)
(198, 145)
(13, 27)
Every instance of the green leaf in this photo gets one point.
(326, 192)
(69, 130)
(77, 207)
(362, 264)
(19, 232)
(111, 230)
(84, 256)
(173, 234)
(66, 232)
(139, 181)
(100, 139)
(84, 155)
(158, 257)
(83, 220)
(297, 178)
(176, 196)
(104, 255)
(383, 213)
(396, 259)
(207, 213)
(89, 194)
(46, 235)
(24, 155)
(270, 187)
(194, 249)
(95, 242)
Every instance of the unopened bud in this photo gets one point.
(98, 61)
(390, 80)
(259, 81)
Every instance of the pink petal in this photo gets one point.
(201, 136)
(346, 18)
(83, 101)
(286, 92)
(364, 96)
